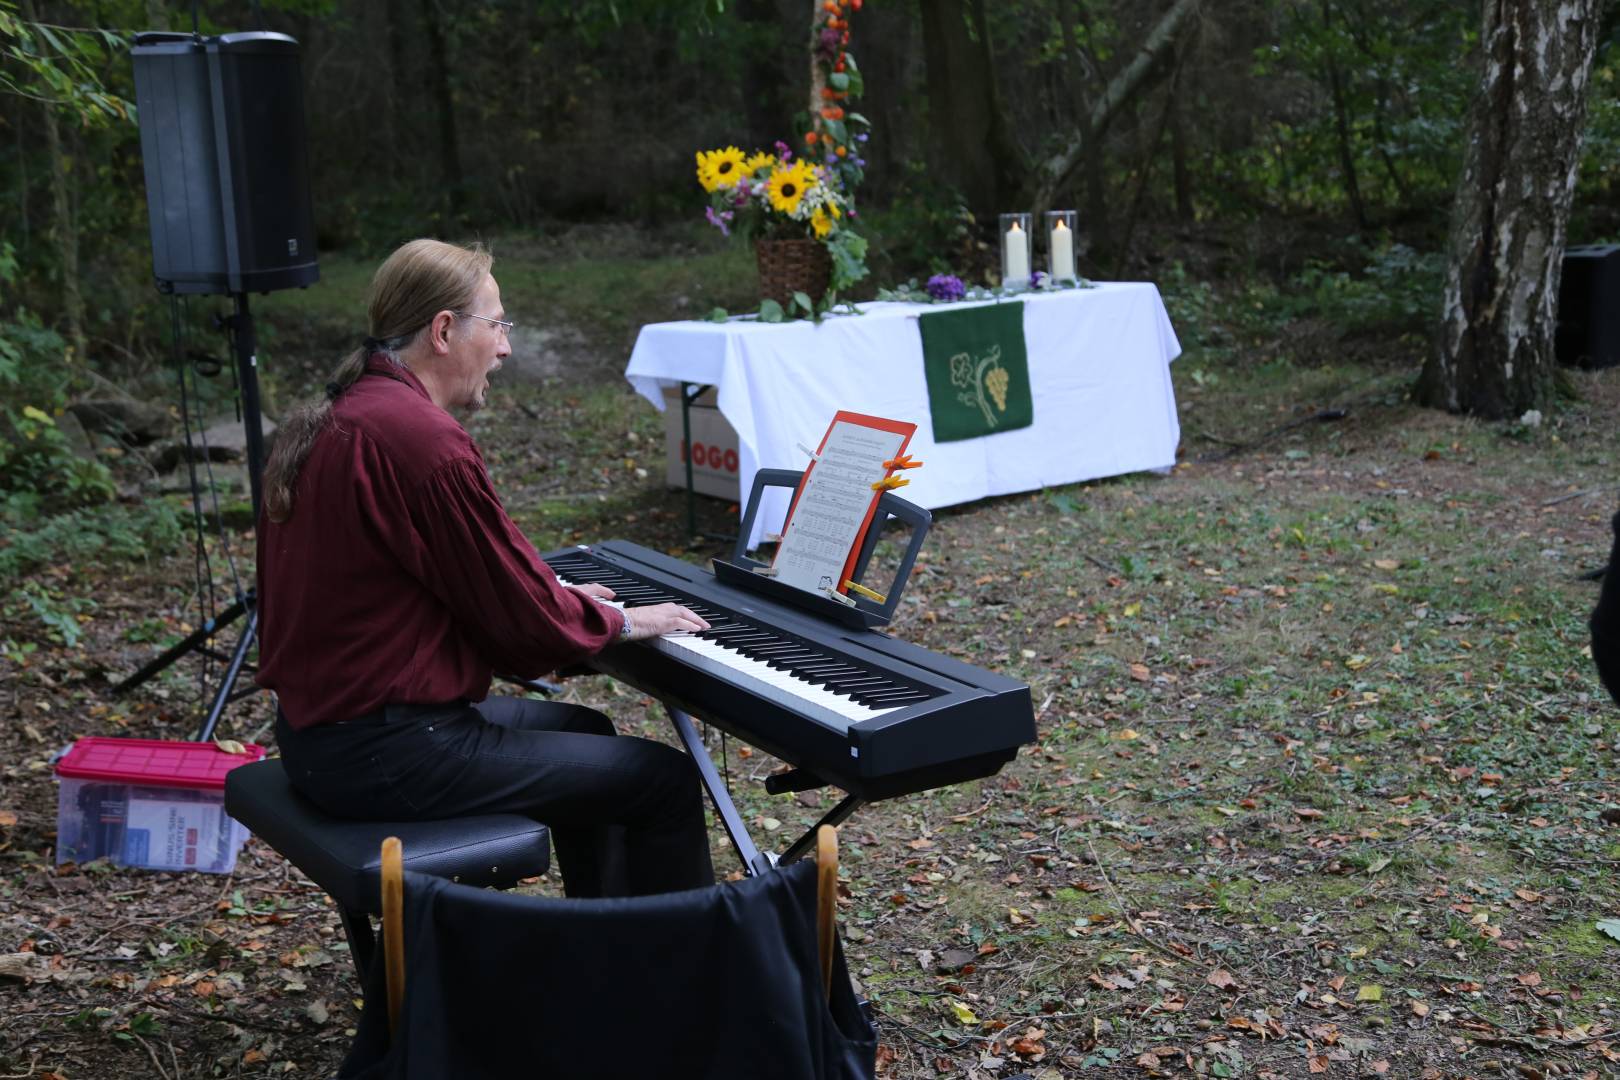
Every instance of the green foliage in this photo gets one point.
(105, 534)
(848, 251)
(925, 229)
(1399, 288)
(59, 66)
(57, 613)
(35, 456)
(1397, 76)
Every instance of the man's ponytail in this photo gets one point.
(415, 283)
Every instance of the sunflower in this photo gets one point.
(786, 187)
(725, 167)
(758, 160)
(821, 223)
(705, 177)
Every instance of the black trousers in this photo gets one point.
(626, 814)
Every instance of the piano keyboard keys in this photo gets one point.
(761, 660)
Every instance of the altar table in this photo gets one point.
(1099, 370)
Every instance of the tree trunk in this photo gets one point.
(762, 75)
(1122, 88)
(439, 63)
(818, 78)
(65, 230)
(398, 113)
(1494, 356)
(1341, 128)
(972, 146)
(1096, 220)
(1181, 175)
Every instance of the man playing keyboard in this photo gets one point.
(392, 585)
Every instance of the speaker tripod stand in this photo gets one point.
(244, 348)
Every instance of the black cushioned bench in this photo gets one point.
(343, 857)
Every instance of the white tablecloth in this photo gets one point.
(1099, 370)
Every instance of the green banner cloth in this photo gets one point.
(978, 371)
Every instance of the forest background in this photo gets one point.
(1284, 170)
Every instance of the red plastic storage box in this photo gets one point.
(150, 803)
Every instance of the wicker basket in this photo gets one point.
(790, 266)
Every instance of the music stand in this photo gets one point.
(244, 347)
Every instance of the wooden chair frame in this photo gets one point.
(393, 914)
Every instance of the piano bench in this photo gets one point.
(344, 857)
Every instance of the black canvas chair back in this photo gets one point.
(715, 983)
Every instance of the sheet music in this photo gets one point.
(833, 505)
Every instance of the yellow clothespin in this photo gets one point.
(870, 594)
(902, 462)
(889, 483)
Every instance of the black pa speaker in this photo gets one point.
(226, 158)
(1589, 307)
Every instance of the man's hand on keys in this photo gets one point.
(593, 590)
(656, 620)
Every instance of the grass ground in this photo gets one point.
(1319, 786)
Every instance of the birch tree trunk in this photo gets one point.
(1494, 354)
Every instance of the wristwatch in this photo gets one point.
(626, 629)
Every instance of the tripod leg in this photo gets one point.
(191, 641)
(228, 684)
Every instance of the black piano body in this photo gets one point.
(945, 721)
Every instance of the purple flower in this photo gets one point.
(946, 287)
(718, 220)
(860, 163)
(1037, 280)
(782, 151)
(861, 137)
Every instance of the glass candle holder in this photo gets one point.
(1060, 226)
(1016, 250)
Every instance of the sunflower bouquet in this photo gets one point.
(777, 196)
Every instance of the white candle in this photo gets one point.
(1062, 252)
(1017, 254)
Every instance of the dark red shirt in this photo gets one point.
(399, 578)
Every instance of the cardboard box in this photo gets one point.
(148, 803)
(714, 447)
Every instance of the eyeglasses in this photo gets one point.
(505, 324)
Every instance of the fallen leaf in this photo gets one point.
(1310, 813)
(1529, 978)
(1221, 979)
(964, 1015)
(1318, 1063)
(1610, 927)
(1370, 992)
(1140, 672)
(1419, 1009)
(1132, 610)
(1356, 662)
(8, 818)
(230, 746)
(1387, 564)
